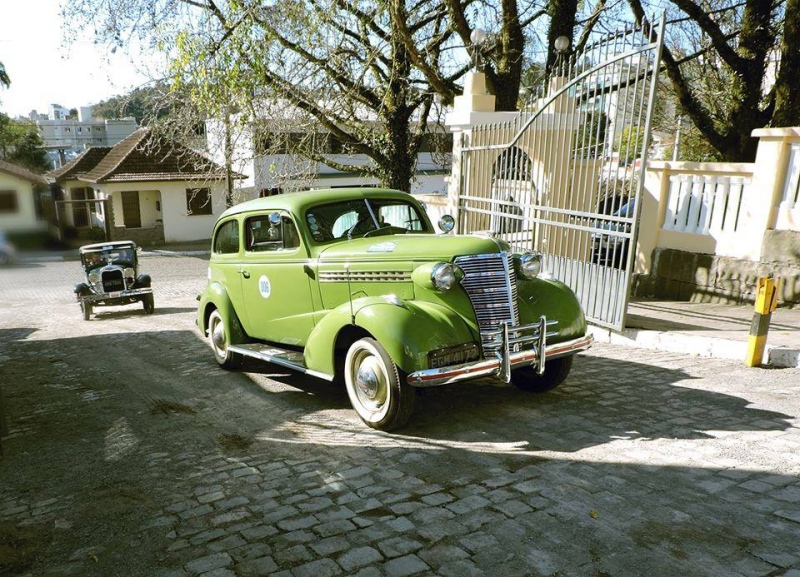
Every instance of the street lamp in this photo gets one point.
(477, 38)
(561, 44)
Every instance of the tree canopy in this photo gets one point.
(733, 68)
(21, 144)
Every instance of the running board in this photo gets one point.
(285, 358)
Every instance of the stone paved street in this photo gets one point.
(129, 452)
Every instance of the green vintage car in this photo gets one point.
(355, 286)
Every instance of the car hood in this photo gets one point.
(411, 247)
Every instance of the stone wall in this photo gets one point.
(141, 236)
(687, 276)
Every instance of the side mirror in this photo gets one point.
(275, 218)
(447, 223)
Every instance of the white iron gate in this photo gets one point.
(548, 180)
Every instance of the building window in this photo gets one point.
(8, 201)
(198, 201)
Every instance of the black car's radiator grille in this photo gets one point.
(113, 281)
(491, 284)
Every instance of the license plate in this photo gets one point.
(453, 356)
(114, 294)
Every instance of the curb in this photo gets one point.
(777, 357)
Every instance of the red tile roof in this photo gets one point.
(142, 156)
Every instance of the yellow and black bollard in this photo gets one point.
(766, 302)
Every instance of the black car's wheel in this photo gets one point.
(86, 308)
(377, 389)
(220, 341)
(149, 304)
(555, 372)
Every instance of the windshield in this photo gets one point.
(359, 218)
(120, 256)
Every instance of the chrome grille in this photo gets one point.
(365, 276)
(113, 281)
(491, 284)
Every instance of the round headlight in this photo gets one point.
(444, 276)
(129, 273)
(447, 223)
(530, 264)
(94, 277)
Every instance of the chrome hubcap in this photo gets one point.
(367, 381)
(218, 336)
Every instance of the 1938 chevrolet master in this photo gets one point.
(355, 286)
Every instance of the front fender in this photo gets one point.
(406, 329)
(556, 301)
(216, 297)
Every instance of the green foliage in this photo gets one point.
(142, 103)
(4, 79)
(21, 144)
(694, 147)
(629, 144)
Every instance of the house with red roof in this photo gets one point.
(145, 188)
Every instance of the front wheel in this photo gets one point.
(148, 303)
(220, 341)
(377, 389)
(86, 308)
(555, 372)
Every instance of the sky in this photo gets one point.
(44, 71)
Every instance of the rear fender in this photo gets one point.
(408, 330)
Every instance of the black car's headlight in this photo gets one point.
(445, 276)
(530, 264)
(94, 277)
(129, 273)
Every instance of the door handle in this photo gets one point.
(244, 273)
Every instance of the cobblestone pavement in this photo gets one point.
(131, 453)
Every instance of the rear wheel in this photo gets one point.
(220, 341)
(555, 372)
(86, 308)
(149, 304)
(377, 389)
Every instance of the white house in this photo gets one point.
(143, 189)
(20, 208)
(275, 169)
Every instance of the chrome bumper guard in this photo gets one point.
(93, 298)
(507, 355)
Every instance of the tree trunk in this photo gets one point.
(504, 81)
(562, 23)
(787, 97)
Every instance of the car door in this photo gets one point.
(275, 286)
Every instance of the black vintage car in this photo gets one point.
(112, 277)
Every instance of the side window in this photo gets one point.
(226, 240)
(265, 235)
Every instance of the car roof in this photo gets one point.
(108, 245)
(299, 202)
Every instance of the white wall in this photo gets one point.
(178, 225)
(24, 219)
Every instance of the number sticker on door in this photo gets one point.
(264, 287)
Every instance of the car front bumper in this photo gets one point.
(503, 363)
(126, 295)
